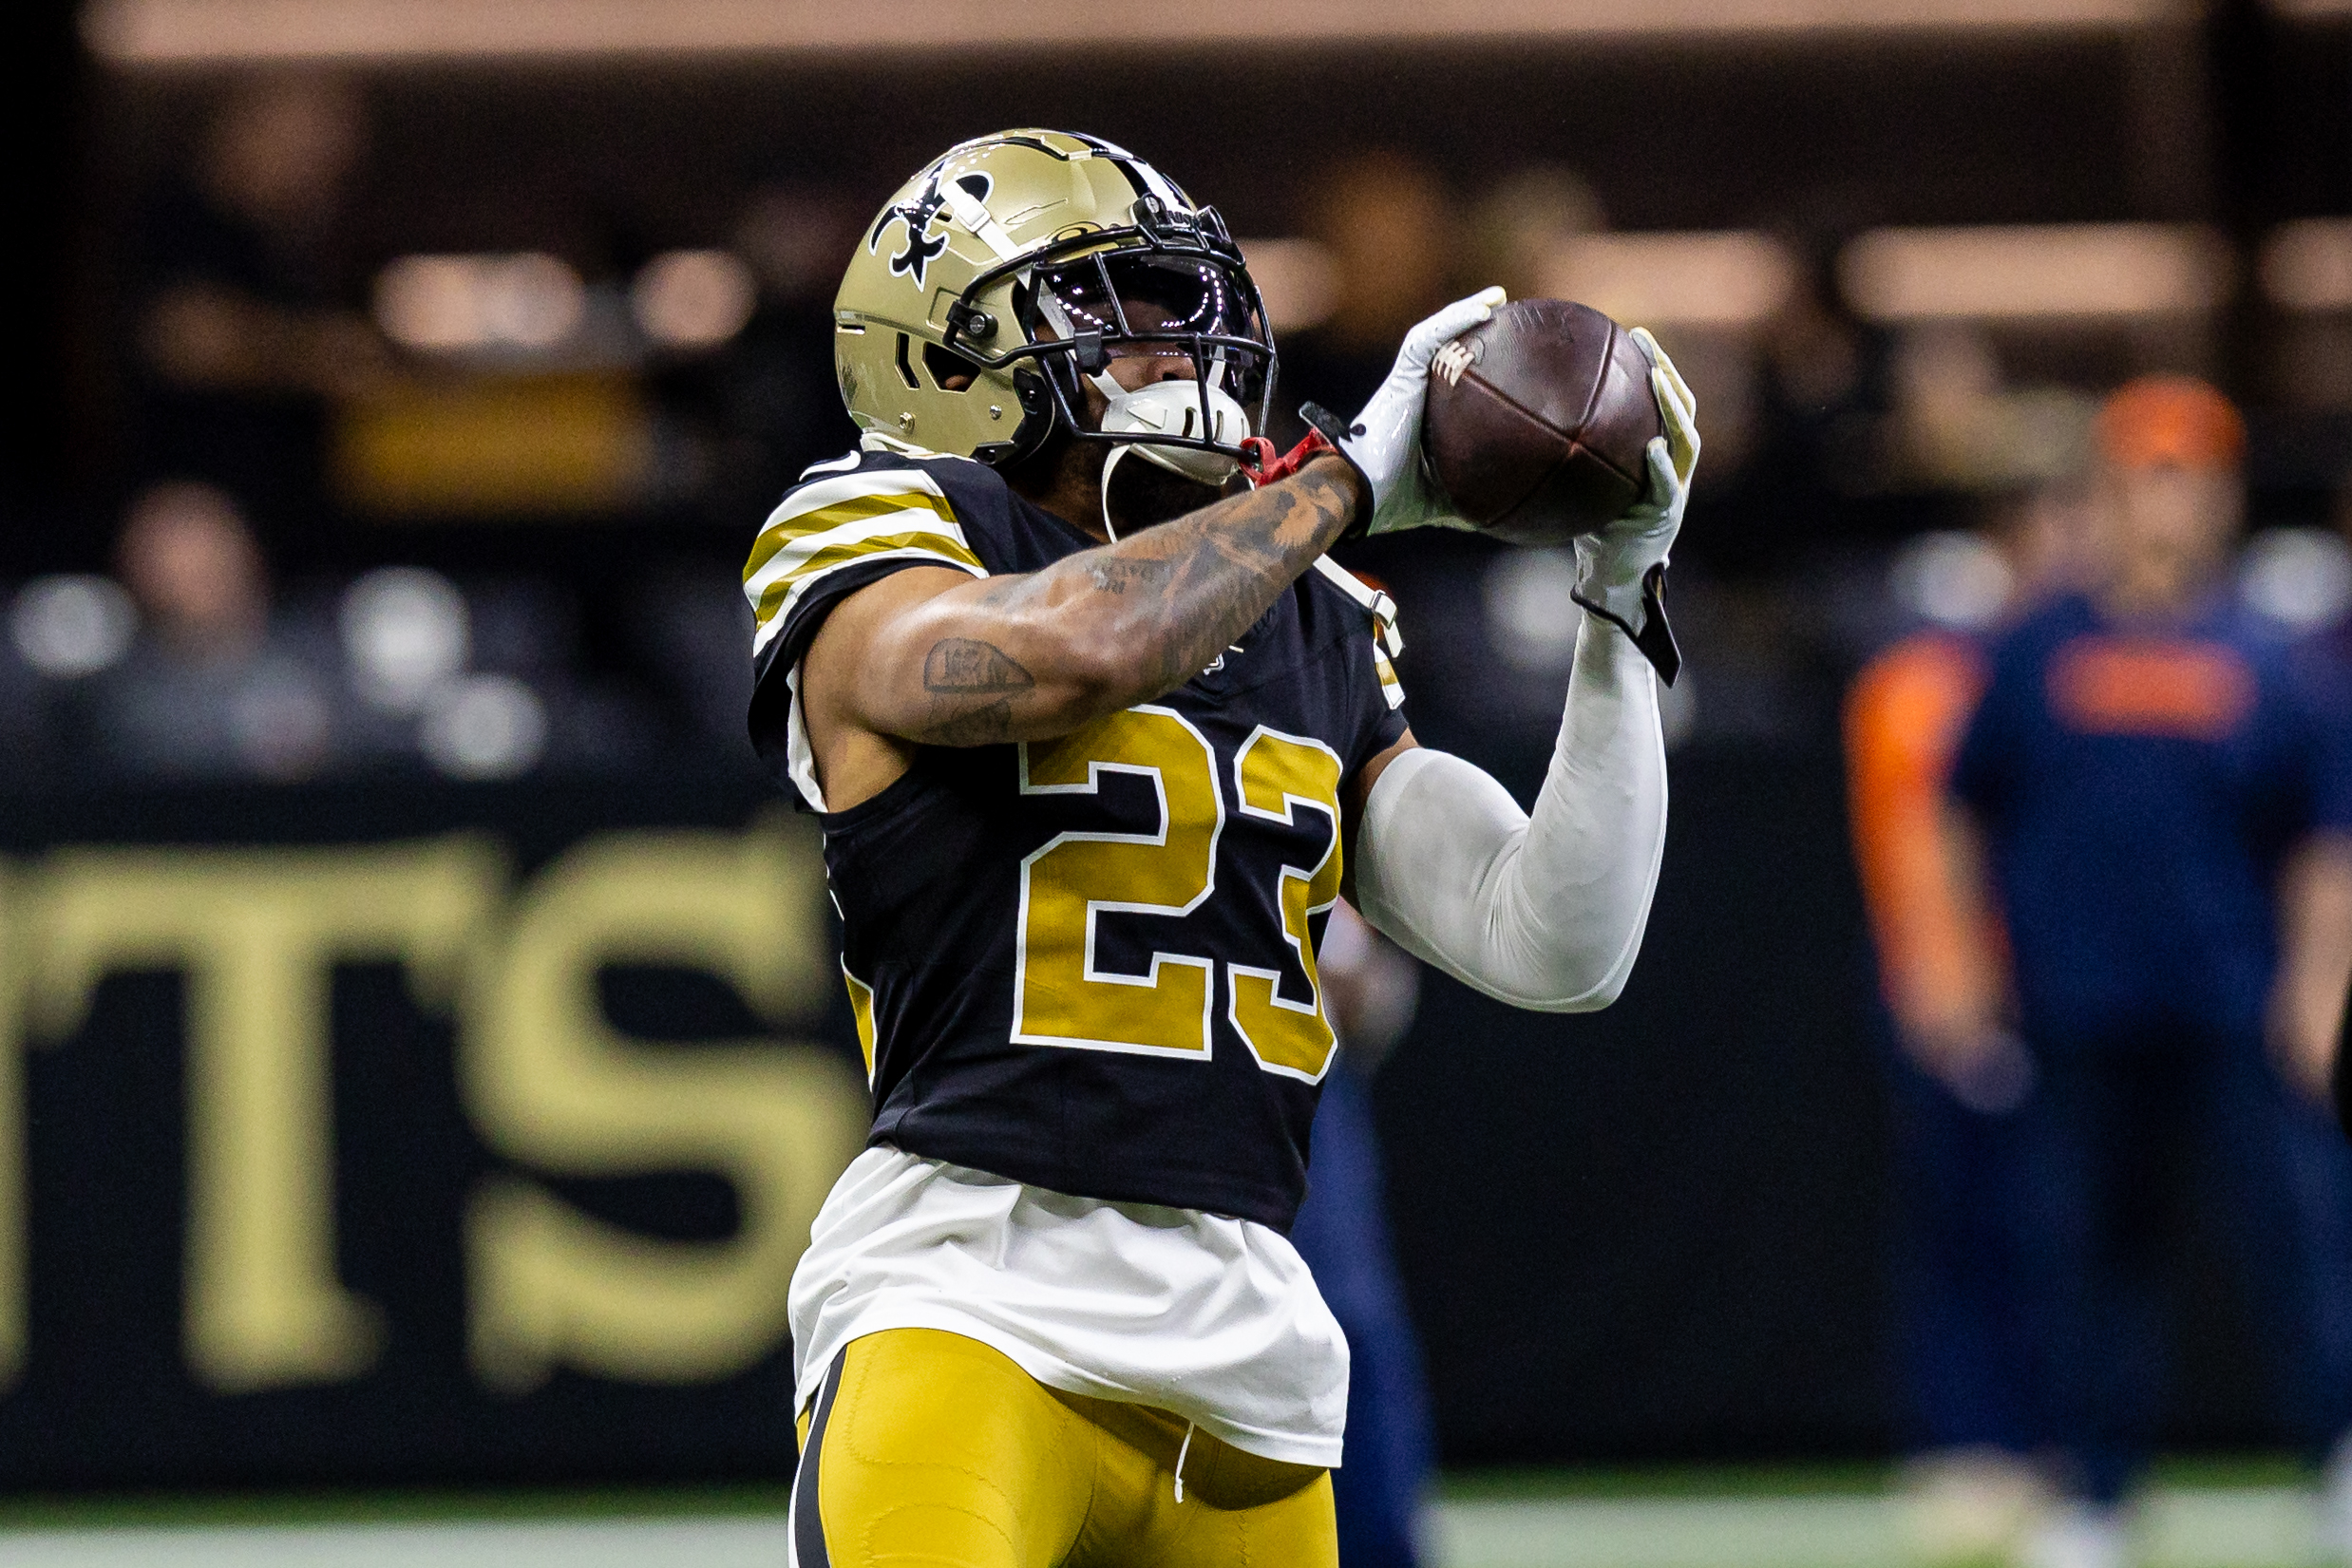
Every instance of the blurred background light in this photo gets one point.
(1530, 615)
(71, 625)
(454, 303)
(1728, 279)
(429, 302)
(2301, 577)
(187, 31)
(2308, 265)
(693, 299)
(2078, 270)
(484, 727)
(406, 631)
(1952, 580)
(1299, 279)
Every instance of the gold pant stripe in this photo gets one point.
(928, 1448)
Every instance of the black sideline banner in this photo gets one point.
(412, 1135)
(464, 1136)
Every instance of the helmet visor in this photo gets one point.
(1145, 303)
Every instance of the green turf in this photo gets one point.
(2224, 1472)
(1517, 1485)
(2200, 1472)
(1533, 1483)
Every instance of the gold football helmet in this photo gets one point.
(1019, 264)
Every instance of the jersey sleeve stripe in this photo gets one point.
(854, 524)
(803, 524)
(772, 603)
(893, 513)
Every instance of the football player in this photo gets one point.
(1098, 736)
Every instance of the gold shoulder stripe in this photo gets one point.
(781, 588)
(786, 528)
(835, 522)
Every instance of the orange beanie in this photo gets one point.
(2160, 421)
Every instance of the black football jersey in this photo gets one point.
(1087, 964)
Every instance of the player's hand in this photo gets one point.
(1620, 569)
(2303, 1041)
(1984, 1066)
(1384, 442)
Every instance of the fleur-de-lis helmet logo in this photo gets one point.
(923, 246)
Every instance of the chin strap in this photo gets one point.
(1109, 462)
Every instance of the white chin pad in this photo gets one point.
(1173, 408)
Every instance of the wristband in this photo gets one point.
(1324, 431)
(1264, 468)
(1656, 638)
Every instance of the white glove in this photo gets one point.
(1622, 570)
(1384, 442)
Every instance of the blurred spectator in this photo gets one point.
(770, 393)
(1342, 1231)
(1822, 397)
(1390, 229)
(1959, 1344)
(2336, 645)
(2163, 837)
(211, 689)
(1954, 425)
(62, 630)
(238, 336)
(693, 626)
(196, 674)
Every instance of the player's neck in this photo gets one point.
(1066, 480)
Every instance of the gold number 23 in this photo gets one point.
(1061, 997)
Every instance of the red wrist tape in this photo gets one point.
(1263, 468)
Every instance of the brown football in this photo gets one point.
(1537, 420)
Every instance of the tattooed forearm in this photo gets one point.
(1225, 565)
(962, 667)
(1116, 575)
(1126, 622)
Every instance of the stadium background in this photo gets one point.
(1644, 1248)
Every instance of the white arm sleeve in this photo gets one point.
(1546, 912)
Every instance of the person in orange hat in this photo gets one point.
(2171, 453)
(1955, 1070)
(2145, 803)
